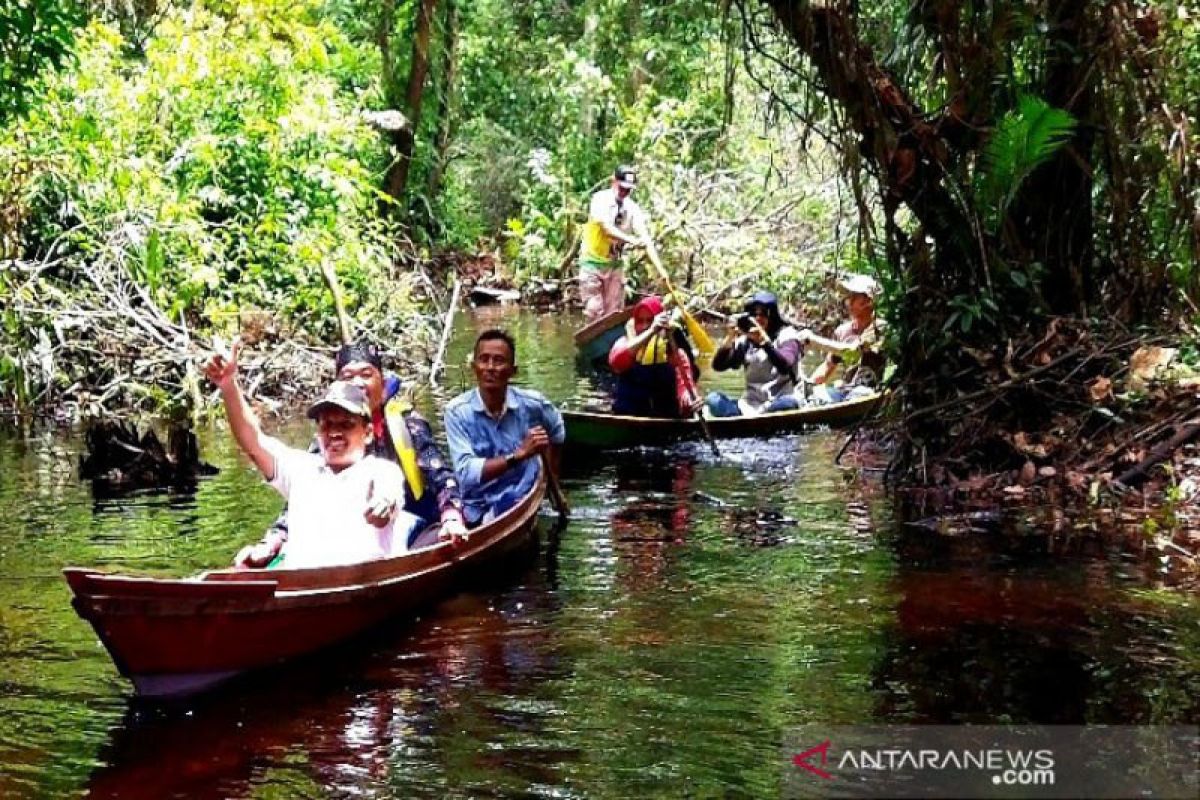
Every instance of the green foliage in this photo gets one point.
(235, 177)
(553, 96)
(1024, 139)
(35, 36)
(219, 170)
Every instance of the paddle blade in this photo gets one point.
(704, 342)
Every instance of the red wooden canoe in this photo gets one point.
(178, 637)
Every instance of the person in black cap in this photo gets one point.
(615, 222)
(399, 434)
(768, 348)
(344, 502)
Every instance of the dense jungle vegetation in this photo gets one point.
(1023, 177)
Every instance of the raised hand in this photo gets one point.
(757, 334)
(221, 367)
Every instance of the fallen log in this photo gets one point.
(119, 458)
(1136, 475)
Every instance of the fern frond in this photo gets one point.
(1025, 138)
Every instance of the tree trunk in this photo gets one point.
(902, 147)
(447, 104)
(395, 182)
(1053, 209)
(637, 72)
(587, 111)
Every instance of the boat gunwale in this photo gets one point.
(222, 586)
(610, 420)
(597, 328)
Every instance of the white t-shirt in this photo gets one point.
(326, 526)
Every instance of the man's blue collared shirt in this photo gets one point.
(475, 436)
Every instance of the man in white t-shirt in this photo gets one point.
(344, 505)
(615, 222)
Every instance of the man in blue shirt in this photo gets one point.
(496, 432)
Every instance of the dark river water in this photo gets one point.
(660, 645)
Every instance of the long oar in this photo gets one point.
(707, 433)
(557, 501)
(704, 342)
(674, 350)
(338, 303)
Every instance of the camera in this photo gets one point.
(744, 323)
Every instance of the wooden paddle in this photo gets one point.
(339, 304)
(557, 501)
(707, 433)
(680, 386)
(704, 342)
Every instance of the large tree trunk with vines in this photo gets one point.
(908, 156)
(1052, 214)
(923, 160)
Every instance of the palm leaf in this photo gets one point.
(1025, 138)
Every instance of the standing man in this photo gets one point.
(497, 432)
(615, 222)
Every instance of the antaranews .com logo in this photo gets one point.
(1007, 767)
(993, 761)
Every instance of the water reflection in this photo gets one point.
(369, 715)
(659, 645)
(989, 629)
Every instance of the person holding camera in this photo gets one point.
(655, 368)
(615, 222)
(768, 348)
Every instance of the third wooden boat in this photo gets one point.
(595, 339)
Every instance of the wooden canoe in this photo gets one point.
(602, 430)
(595, 339)
(178, 637)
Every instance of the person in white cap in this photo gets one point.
(615, 222)
(856, 343)
(344, 505)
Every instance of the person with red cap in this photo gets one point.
(654, 365)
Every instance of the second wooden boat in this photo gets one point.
(180, 636)
(606, 430)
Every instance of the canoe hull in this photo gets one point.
(602, 431)
(178, 637)
(596, 339)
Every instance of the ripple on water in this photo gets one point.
(692, 610)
